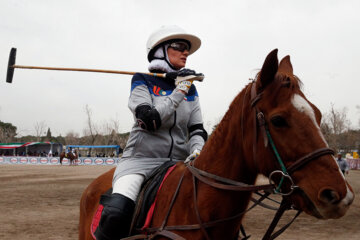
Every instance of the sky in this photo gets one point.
(322, 38)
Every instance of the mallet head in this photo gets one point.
(11, 69)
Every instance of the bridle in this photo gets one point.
(285, 172)
(231, 185)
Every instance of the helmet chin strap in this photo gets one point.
(161, 60)
(165, 47)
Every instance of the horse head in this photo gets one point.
(288, 133)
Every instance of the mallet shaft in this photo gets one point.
(163, 75)
(12, 66)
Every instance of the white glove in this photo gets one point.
(192, 156)
(183, 85)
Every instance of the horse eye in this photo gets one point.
(279, 121)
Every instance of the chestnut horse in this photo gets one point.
(71, 156)
(270, 128)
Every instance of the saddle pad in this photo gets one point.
(96, 218)
(151, 210)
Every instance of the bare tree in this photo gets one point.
(39, 129)
(72, 138)
(110, 134)
(358, 109)
(110, 131)
(338, 120)
(334, 126)
(91, 130)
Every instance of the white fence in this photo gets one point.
(354, 163)
(56, 160)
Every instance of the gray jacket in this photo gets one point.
(168, 125)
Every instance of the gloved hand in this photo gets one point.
(185, 74)
(184, 85)
(192, 156)
(184, 78)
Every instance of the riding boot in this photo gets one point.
(115, 218)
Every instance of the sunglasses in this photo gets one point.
(180, 46)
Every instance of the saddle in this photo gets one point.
(146, 201)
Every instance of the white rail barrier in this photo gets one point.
(56, 160)
(354, 163)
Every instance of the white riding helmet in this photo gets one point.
(168, 33)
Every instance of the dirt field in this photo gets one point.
(42, 202)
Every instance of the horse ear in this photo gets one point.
(269, 69)
(286, 66)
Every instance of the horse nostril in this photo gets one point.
(329, 196)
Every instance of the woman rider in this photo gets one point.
(168, 124)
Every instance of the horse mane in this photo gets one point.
(235, 106)
(281, 80)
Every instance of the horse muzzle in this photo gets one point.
(328, 205)
(332, 206)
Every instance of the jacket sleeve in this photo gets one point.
(148, 115)
(197, 133)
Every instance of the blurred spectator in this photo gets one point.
(343, 165)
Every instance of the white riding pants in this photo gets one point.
(129, 185)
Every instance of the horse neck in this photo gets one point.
(224, 154)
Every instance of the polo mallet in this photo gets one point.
(12, 66)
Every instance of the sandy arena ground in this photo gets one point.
(42, 202)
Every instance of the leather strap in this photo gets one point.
(227, 184)
(135, 237)
(307, 158)
(202, 227)
(283, 207)
(167, 234)
(242, 230)
(172, 202)
(212, 223)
